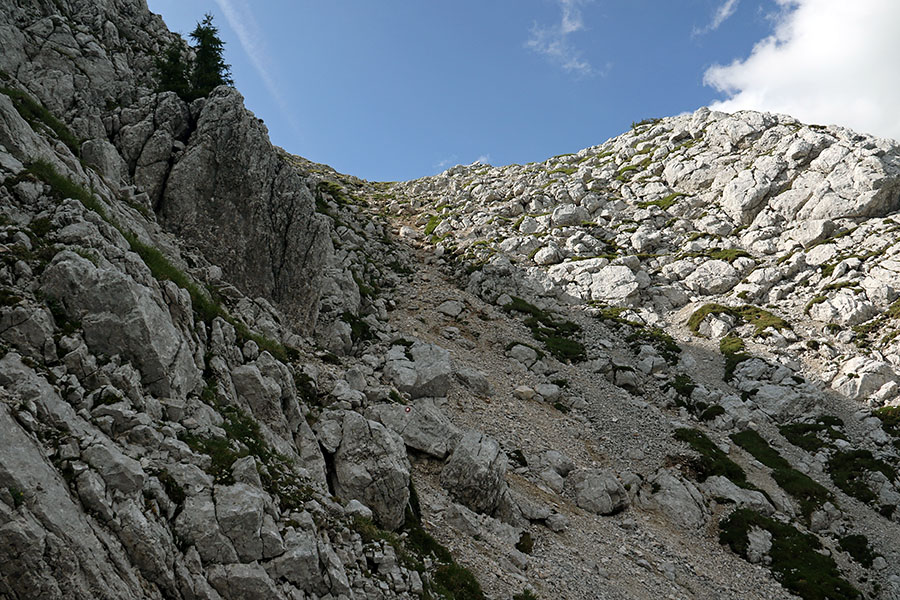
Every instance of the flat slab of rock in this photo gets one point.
(422, 426)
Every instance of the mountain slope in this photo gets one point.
(662, 367)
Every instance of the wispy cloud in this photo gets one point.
(241, 20)
(723, 13)
(447, 162)
(553, 41)
(484, 159)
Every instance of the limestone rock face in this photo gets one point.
(475, 473)
(120, 315)
(425, 371)
(231, 184)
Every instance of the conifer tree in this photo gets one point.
(207, 70)
(173, 71)
(210, 69)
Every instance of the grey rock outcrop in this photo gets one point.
(426, 371)
(676, 498)
(122, 316)
(231, 184)
(422, 426)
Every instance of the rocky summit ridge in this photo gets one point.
(663, 367)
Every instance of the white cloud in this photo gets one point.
(484, 159)
(828, 61)
(723, 13)
(240, 18)
(553, 41)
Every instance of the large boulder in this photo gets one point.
(475, 474)
(370, 465)
(614, 283)
(675, 498)
(240, 511)
(599, 491)
(422, 370)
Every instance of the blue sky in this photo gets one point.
(394, 90)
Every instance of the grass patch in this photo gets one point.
(796, 561)
(732, 348)
(808, 494)
(665, 203)
(890, 419)
(712, 461)
(761, 319)
(857, 546)
(415, 548)
(432, 224)
(683, 385)
(664, 343)
(36, 114)
(812, 437)
(359, 329)
(555, 335)
(850, 471)
(244, 438)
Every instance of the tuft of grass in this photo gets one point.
(432, 224)
(244, 438)
(555, 335)
(35, 114)
(359, 329)
(796, 561)
(890, 419)
(415, 548)
(712, 460)
(525, 543)
(665, 203)
(812, 437)
(732, 348)
(850, 472)
(761, 319)
(18, 496)
(808, 494)
(683, 385)
(857, 546)
(664, 343)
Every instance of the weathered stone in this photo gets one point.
(677, 499)
(120, 472)
(231, 184)
(422, 426)
(427, 372)
(475, 474)
(121, 316)
(599, 491)
(243, 582)
(370, 465)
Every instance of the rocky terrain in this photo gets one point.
(663, 367)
